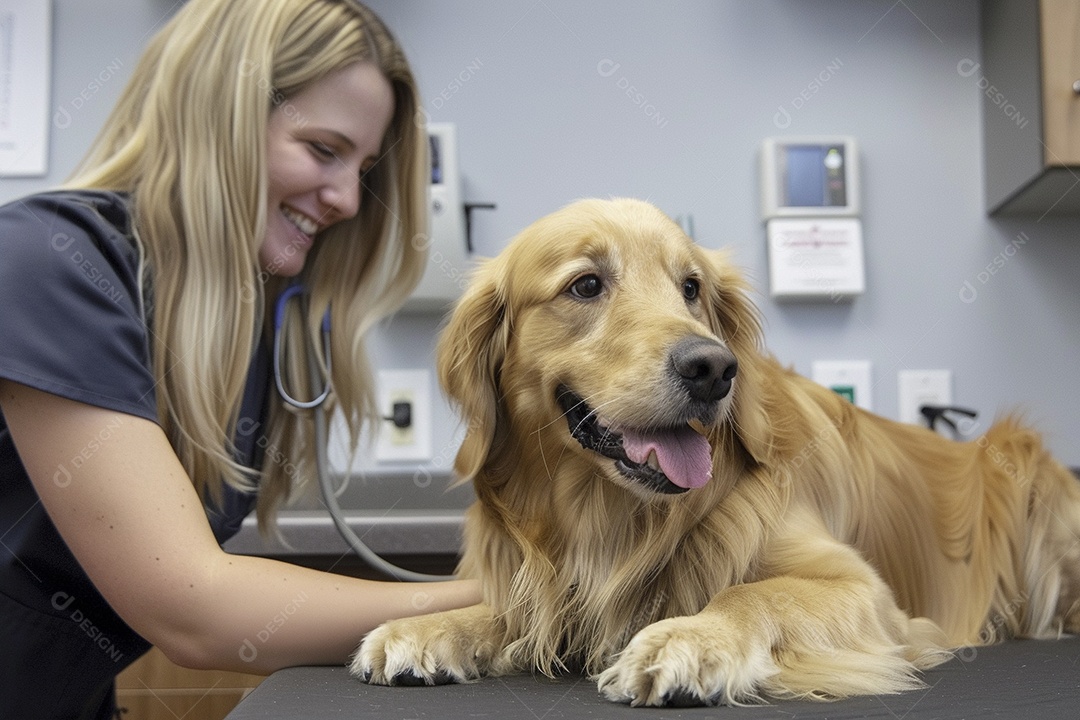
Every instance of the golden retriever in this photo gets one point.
(663, 506)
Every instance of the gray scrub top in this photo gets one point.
(72, 324)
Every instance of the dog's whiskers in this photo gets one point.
(543, 455)
(550, 468)
(594, 413)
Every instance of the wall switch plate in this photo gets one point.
(922, 387)
(412, 443)
(848, 378)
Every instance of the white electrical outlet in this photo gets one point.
(922, 387)
(848, 378)
(412, 443)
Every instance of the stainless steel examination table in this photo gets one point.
(1016, 680)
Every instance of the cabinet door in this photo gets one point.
(153, 688)
(1060, 21)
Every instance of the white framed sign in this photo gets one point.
(815, 258)
(25, 58)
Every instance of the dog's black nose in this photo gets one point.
(705, 367)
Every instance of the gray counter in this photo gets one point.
(1016, 680)
(413, 513)
(396, 532)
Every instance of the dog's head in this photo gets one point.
(602, 330)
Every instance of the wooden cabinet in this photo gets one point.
(153, 688)
(1029, 80)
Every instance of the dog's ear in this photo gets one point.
(735, 320)
(470, 354)
(732, 316)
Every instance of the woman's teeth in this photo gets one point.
(305, 224)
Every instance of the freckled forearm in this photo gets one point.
(262, 615)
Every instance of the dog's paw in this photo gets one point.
(688, 661)
(426, 650)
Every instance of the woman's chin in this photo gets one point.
(283, 259)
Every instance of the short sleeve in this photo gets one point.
(70, 312)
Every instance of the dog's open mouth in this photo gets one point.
(667, 460)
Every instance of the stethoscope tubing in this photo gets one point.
(279, 379)
(322, 463)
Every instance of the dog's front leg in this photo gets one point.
(451, 646)
(824, 626)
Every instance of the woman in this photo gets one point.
(258, 143)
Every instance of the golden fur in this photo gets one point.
(833, 552)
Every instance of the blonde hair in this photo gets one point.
(187, 141)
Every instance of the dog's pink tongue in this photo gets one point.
(684, 455)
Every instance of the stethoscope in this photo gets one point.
(322, 465)
(297, 291)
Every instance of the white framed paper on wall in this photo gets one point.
(25, 58)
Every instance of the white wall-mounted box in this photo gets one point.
(449, 262)
(809, 176)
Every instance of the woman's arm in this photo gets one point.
(128, 511)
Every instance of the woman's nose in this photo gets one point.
(342, 194)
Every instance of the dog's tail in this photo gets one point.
(1029, 491)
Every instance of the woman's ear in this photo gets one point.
(470, 354)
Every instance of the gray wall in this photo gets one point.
(539, 92)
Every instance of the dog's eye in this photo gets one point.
(691, 288)
(586, 287)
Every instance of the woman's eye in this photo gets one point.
(586, 287)
(323, 151)
(691, 288)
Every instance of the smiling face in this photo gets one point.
(611, 332)
(602, 343)
(320, 142)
